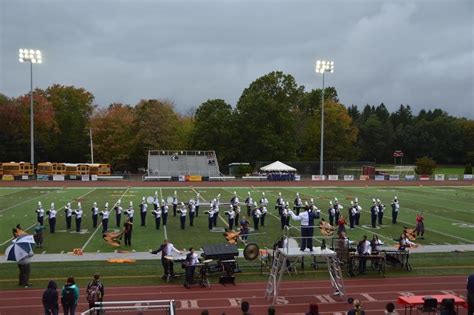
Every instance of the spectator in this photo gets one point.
(271, 310)
(69, 296)
(390, 309)
(448, 308)
(245, 306)
(95, 291)
(50, 299)
(205, 312)
(25, 270)
(470, 294)
(357, 309)
(313, 309)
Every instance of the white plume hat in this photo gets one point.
(248, 193)
(198, 194)
(297, 194)
(162, 201)
(175, 192)
(156, 193)
(352, 203)
(356, 199)
(279, 193)
(378, 200)
(94, 204)
(395, 197)
(119, 201)
(143, 199)
(263, 193)
(39, 204)
(235, 193)
(131, 203)
(373, 200)
(305, 203)
(106, 204)
(335, 198)
(78, 204)
(68, 204)
(330, 202)
(312, 200)
(52, 205)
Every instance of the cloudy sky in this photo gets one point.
(412, 52)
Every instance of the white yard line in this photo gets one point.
(25, 201)
(100, 224)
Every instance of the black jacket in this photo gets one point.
(50, 296)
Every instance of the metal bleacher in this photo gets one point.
(165, 164)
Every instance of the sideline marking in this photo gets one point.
(98, 226)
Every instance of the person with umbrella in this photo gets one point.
(20, 251)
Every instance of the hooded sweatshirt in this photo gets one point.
(50, 296)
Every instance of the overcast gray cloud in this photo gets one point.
(412, 52)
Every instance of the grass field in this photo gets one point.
(448, 211)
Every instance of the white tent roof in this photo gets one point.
(277, 166)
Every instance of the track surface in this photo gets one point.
(294, 296)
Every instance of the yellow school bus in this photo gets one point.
(72, 169)
(17, 168)
(99, 169)
(1, 169)
(48, 168)
(83, 169)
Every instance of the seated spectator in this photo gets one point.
(390, 309)
(357, 310)
(271, 310)
(313, 309)
(245, 306)
(447, 308)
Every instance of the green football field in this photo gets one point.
(448, 211)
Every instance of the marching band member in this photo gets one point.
(381, 207)
(306, 228)
(395, 208)
(164, 211)
(95, 214)
(337, 207)
(298, 204)
(127, 232)
(285, 216)
(143, 209)
(191, 261)
(256, 214)
(130, 212)
(249, 203)
(420, 226)
(40, 213)
(192, 211)
(314, 209)
(244, 229)
(263, 210)
(358, 211)
(236, 204)
(118, 212)
(331, 213)
(52, 219)
(363, 249)
(374, 210)
(183, 212)
(230, 217)
(157, 214)
(78, 213)
(166, 250)
(314, 213)
(105, 218)
(264, 200)
(211, 213)
(341, 225)
(68, 215)
(175, 202)
(280, 204)
(352, 214)
(197, 203)
(217, 202)
(156, 201)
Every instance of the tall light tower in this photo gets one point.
(32, 56)
(323, 66)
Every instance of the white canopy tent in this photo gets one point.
(277, 166)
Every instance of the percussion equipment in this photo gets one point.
(150, 199)
(169, 199)
(251, 251)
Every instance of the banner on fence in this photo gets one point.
(379, 177)
(439, 177)
(25, 177)
(297, 178)
(42, 177)
(85, 178)
(333, 177)
(394, 177)
(453, 177)
(182, 178)
(468, 177)
(58, 178)
(363, 177)
(94, 178)
(8, 177)
(348, 177)
(409, 177)
(424, 177)
(194, 178)
(318, 177)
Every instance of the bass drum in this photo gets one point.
(251, 251)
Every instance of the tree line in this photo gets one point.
(274, 119)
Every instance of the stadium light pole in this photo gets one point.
(323, 66)
(32, 56)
